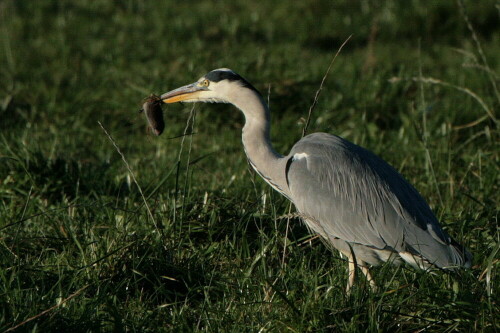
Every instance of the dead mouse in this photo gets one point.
(154, 113)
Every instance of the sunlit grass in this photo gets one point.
(79, 250)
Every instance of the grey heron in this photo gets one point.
(352, 198)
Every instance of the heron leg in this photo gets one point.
(369, 278)
(353, 263)
(351, 272)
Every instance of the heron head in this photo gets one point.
(218, 86)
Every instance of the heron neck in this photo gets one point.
(256, 138)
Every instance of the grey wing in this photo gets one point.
(351, 194)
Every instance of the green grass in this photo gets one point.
(79, 250)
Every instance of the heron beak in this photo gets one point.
(186, 93)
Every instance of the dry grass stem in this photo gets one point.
(157, 227)
(44, 312)
(313, 105)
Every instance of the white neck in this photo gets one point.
(256, 138)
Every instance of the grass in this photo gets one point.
(79, 250)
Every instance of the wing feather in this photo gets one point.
(357, 197)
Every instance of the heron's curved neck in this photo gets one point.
(256, 135)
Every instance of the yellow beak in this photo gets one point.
(186, 93)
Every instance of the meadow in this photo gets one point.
(177, 233)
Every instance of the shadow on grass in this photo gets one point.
(55, 179)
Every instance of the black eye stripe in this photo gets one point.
(218, 75)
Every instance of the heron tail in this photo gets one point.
(463, 257)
